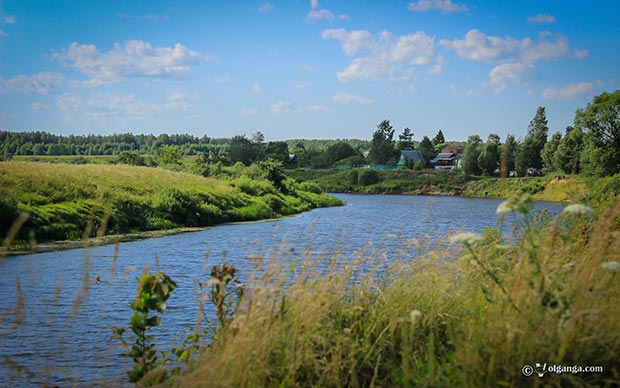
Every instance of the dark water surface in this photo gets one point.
(55, 320)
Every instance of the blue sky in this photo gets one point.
(303, 69)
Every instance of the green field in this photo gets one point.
(72, 201)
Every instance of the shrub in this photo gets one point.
(368, 177)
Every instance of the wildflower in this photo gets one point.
(613, 266)
(578, 209)
(466, 238)
(415, 316)
(516, 204)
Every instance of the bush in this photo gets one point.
(310, 187)
(368, 177)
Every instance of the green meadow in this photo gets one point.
(60, 201)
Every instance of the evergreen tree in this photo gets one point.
(405, 140)
(439, 138)
(529, 152)
(382, 146)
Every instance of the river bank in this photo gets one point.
(78, 202)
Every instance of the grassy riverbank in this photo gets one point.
(546, 294)
(562, 188)
(71, 202)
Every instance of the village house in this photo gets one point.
(449, 158)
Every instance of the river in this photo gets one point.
(55, 322)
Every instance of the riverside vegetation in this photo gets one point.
(71, 202)
(467, 310)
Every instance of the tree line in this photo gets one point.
(590, 146)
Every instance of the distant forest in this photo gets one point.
(42, 143)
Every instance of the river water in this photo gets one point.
(55, 320)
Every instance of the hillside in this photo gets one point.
(69, 202)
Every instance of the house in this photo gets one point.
(449, 158)
(409, 157)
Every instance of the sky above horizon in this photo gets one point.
(303, 69)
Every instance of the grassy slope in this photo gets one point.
(66, 200)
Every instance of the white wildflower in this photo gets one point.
(578, 209)
(415, 316)
(505, 207)
(613, 266)
(467, 238)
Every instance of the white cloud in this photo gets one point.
(508, 74)
(282, 107)
(256, 88)
(307, 67)
(38, 106)
(541, 18)
(477, 46)
(3, 34)
(580, 54)
(303, 85)
(385, 55)
(41, 83)
(248, 111)
(321, 14)
(351, 42)
(10, 19)
(317, 14)
(136, 59)
(100, 107)
(568, 92)
(265, 7)
(445, 6)
(46, 82)
(316, 108)
(345, 98)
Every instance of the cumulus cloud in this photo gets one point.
(541, 18)
(38, 106)
(265, 7)
(136, 59)
(41, 83)
(282, 107)
(317, 14)
(303, 85)
(10, 19)
(5, 117)
(514, 59)
(477, 46)
(445, 6)
(345, 98)
(100, 107)
(508, 74)
(383, 55)
(568, 92)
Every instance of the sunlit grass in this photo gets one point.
(426, 318)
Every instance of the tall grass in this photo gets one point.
(470, 310)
